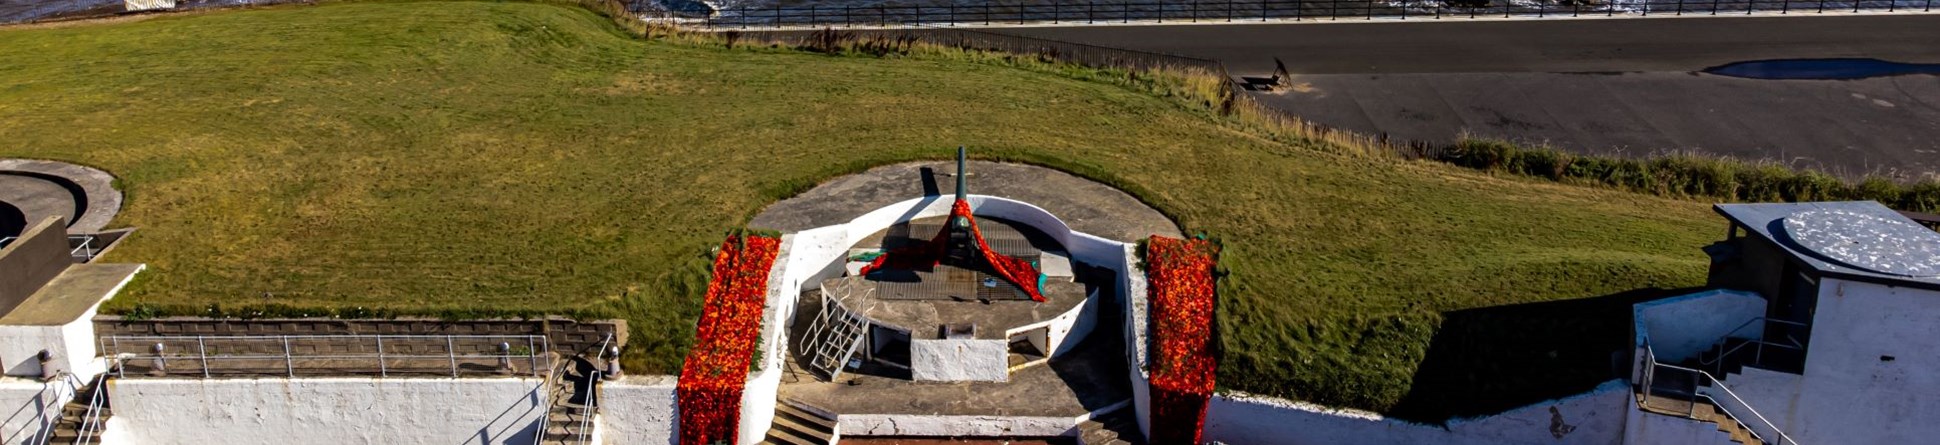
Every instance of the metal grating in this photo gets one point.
(1868, 242)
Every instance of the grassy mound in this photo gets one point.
(483, 159)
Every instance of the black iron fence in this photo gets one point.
(993, 13)
(30, 11)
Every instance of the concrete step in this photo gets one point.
(788, 427)
(804, 417)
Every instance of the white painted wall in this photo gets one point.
(949, 426)
(24, 401)
(1597, 417)
(72, 343)
(965, 360)
(1680, 327)
(639, 410)
(439, 411)
(1850, 393)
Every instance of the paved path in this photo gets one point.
(1621, 86)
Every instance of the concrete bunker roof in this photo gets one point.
(1769, 221)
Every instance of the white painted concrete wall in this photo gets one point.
(639, 410)
(439, 411)
(1597, 417)
(72, 343)
(1680, 327)
(24, 402)
(949, 426)
(1851, 392)
(959, 360)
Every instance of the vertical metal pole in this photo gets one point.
(1090, 9)
(1714, 6)
(123, 370)
(811, 15)
(1680, 7)
(1821, 6)
(202, 350)
(383, 369)
(1750, 3)
(452, 353)
(289, 362)
(532, 356)
(953, 14)
(1054, 13)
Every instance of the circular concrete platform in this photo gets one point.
(1087, 206)
(85, 197)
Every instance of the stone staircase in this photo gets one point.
(74, 418)
(797, 426)
(1119, 427)
(567, 420)
(1699, 409)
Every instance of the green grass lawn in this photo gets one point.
(461, 157)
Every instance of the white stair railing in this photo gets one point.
(1701, 380)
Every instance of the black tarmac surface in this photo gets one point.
(1609, 86)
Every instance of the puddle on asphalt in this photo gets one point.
(1822, 69)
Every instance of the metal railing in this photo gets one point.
(1701, 380)
(592, 391)
(548, 396)
(91, 421)
(42, 414)
(1755, 346)
(288, 355)
(995, 13)
(82, 247)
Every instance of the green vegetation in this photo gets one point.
(1693, 176)
(469, 159)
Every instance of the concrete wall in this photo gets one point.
(1869, 373)
(959, 360)
(639, 410)
(24, 402)
(1680, 327)
(72, 344)
(30, 262)
(955, 426)
(329, 410)
(1597, 417)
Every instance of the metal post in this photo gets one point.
(1195, 11)
(202, 350)
(1787, 7)
(1680, 7)
(953, 14)
(1821, 6)
(383, 369)
(289, 362)
(452, 353)
(1714, 6)
(986, 13)
(1054, 13)
(531, 356)
(1750, 3)
(811, 15)
(743, 18)
(1088, 11)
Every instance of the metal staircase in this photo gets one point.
(833, 337)
(83, 418)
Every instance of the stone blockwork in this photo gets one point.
(567, 336)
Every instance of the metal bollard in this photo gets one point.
(505, 358)
(47, 371)
(613, 363)
(161, 364)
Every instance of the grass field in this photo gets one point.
(471, 159)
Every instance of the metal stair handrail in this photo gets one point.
(42, 422)
(1717, 362)
(548, 397)
(91, 422)
(592, 391)
(1698, 377)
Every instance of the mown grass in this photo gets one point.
(473, 159)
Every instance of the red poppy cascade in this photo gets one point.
(716, 369)
(1182, 290)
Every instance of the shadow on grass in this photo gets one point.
(1488, 360)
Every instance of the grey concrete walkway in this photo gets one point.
(1525, 80)
(1086, 205)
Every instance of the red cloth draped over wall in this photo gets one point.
(716, 370)
(1012, 269)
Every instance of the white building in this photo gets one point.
(1825, 330)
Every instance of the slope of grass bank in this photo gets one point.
(471, 159)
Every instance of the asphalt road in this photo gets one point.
(1607, 86)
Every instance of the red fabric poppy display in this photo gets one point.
(1181, 287)
(716, 369)
(1015, 270)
